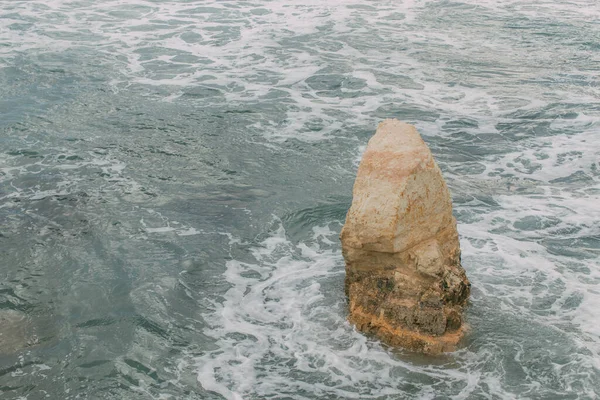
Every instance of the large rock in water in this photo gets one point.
(403, 275)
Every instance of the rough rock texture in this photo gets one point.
(403, 275)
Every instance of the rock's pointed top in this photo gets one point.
(400, 197)
(392, 134)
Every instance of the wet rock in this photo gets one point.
(404, 279)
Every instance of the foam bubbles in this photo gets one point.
(281, 330)
(504, 91)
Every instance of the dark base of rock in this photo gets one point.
(405, 304)
(408, 339)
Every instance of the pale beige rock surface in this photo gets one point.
(404, 279)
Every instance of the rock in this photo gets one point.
(15, 332)
(404, 279)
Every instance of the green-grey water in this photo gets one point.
(174, 176)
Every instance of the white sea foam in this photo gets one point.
(281, 327)
(263, 50)
(281, 330)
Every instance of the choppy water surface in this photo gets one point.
(174, 176)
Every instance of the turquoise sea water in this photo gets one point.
(174, 176)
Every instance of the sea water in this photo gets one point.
(174, 176)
